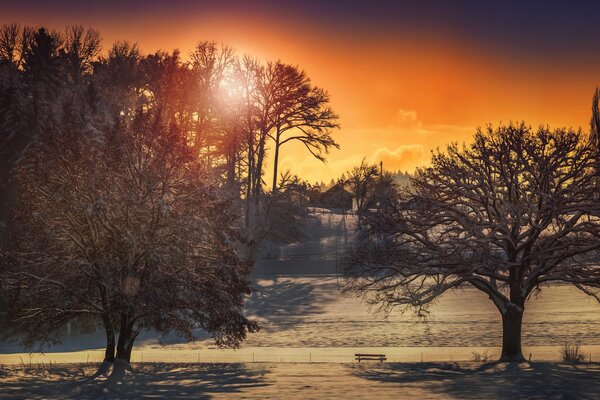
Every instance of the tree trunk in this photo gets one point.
(109, 354)
(127, 337)
(231, 161)
(275, 164)
(512, 320)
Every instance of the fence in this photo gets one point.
(298, 355)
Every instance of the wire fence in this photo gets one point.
(313, 355)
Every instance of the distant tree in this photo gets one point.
(361, 183)
(369, 185)
(385, 189)
(513, 211)
(43, 77)
(125, 227)
(298, 112)
(595, 126)
(14, 100)
(595, 121)
(119, 80)
(80, 50)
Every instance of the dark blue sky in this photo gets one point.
(546, 28)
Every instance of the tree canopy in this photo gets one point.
(507, 214)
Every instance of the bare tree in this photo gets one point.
(119, 80)
(595, 120)
(513, 211)
(81, 48)
(299, 110)
(362, 182)
(15, 41)
(126, 228)
(211, 68)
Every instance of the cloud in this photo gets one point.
(404, 157)
(406, 120)
(404, 143)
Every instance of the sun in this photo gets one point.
(231, 89)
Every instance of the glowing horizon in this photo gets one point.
(401, 87)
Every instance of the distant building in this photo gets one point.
(336, 197)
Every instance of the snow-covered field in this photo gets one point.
(306, 319)
(310, 312)
(311, 381)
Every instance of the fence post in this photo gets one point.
(310, 357)
(252, 356)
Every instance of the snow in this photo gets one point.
(310, 381)
(305, 318)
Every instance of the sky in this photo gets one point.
(405, 77)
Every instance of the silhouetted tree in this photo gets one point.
(595, 126)
(43, 77)
(361, 182)
(300, 112)
(595, 121)
(119, 80)
(511, 212)
(14, 134)
(80, 50)
(212, 69)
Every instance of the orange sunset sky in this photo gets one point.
(404, 79)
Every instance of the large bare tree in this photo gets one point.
(508, 214)
(124, 227)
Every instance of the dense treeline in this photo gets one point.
(132, 184)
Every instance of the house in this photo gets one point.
(336, 197)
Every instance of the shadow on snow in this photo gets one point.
(170, 381)
(492, 380)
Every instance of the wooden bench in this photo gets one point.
(361, 356)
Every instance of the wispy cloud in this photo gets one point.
(405, 157)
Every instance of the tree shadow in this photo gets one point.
(278, 303)
(285, 298)
(492, 380)
(172, 381)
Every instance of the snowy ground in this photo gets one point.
(310, 333)
(307, 317)
(298, 303)
(312, 381)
